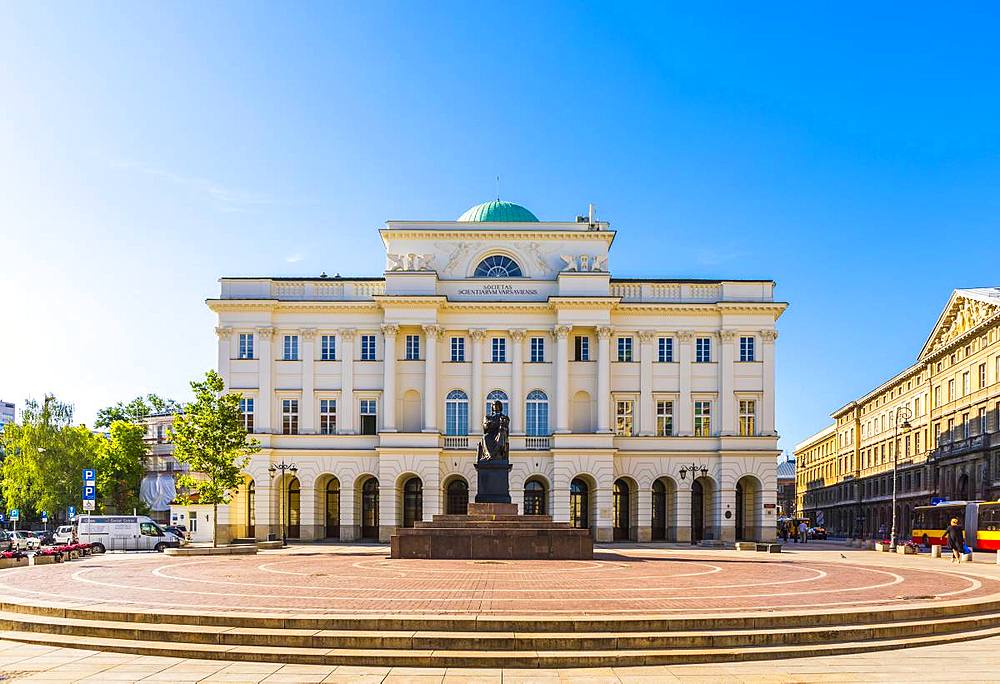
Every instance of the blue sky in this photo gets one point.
(848, 152)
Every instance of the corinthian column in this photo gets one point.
(685, 421)
(604, 333)
(727, 401)
(389, 331)
(345, 408)
(517, 383)
(767, 400)
(308, 408)
(262, 412)
(225, 334)
(561, 333)
(477, 399)
(646, 413)
(431, 334)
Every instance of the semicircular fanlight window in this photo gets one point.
(498, 266)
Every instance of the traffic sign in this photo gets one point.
(71, 513)
(89, 492)
(89, 476)
(88, 504)
(15, 514)
(45, 517)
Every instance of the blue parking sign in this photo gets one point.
(15, 514)
(89, 493)
(89, 474)
(45, 517)
(71, 512)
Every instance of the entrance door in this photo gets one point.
(697, 512)
(579, 506)
(333, 509)
(740, 535)
(369, 509)
(458, 497)
(251, 514)
(293, 509)
(621, 503)
(413, 501)
(659, 517)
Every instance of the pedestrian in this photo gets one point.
(804, 531)
(956, 540)
(784, 532)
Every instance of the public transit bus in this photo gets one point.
(981, 520)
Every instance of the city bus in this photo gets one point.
(980, 519)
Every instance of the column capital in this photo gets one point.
(265, 331)
(389, 329)
(347, 333)
(517, 334)
(433, 331)
(728, 335)
(685, 335)
(769, 335)
(477, 334)
(605, 332)
(562, 331)
(308, 334)
(646, 336)
(223, 331)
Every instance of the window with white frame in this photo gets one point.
(536, 413)
(246, 408)
(625, 349)
(624, 417)
(412, 347)
(291, 348)
(581, 348)
(499, 349)
(982, 421)
(982, 375)
(328, 347)
(703, 349)
(951, 390)
(702, 418)
(748, 417)
(966, 427)
(458, 349)
(328, 416)
(456, 413)
(246, 346)
(746, 349)
(289, 416)
(665, 350)
(966, 384)
(367, 347)
(497, 395)
(369, 416)
(537, 350)
(664, 418)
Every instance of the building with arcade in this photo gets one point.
(640, 408)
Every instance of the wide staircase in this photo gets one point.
(483, 641)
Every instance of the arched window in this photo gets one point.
(497, 395)
(251, 509)
(413, 501)
(292, 514)
(537, 414)
(458, 497)
(497, 266)
(534, 498)
(369, 509)
(333, 509)
(579, 504)
(456, 413)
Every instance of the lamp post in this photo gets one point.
(273, 470)
(902, 412)
(694, 470)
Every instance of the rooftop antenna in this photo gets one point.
(590, 212)
(498, 188)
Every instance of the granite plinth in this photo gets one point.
(493, 532)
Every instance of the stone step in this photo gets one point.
(489, 525)
(479, 658)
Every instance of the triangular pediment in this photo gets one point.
(966, 310)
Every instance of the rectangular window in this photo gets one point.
(458, 349)
(937, 395)
(367, 347)
(246, 408)
(746, 349)
(625, 349)
(499, 347)
(328, 416)
(966, 384)
(966, 426)
(703, 350)
(982, 421)
(702, 418)
(665, 350)
(916, 406)
(937, 435)
(748, 417)
(907, 446)
(246, 346)
(581, 347)
(982, 375)
(537, 349)
(291, 350)
(413, 347)
(916, 442)
(624, 416)
(951, 429)
(951, 390)
(369, 416)
(328, 348)
(664, 418)
(289, 416)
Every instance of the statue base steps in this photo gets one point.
(492, 531)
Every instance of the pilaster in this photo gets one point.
(389, 331)
(684, 513)
(345, 407)
(225, 334)
(727, 402)
(647, 422)
(561, 333)
(767, 400)
(644, 514)
(604, 334)
(477, 400)
(307, 416)
(262, 412)
(684, 409)
(431, 335)
(517, 383)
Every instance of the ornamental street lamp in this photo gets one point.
(694, 470)
(902, 412)
(273, 470)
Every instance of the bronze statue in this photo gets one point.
(495, 444)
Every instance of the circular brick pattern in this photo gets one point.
(619, 582)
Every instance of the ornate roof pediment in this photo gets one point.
(966, 310)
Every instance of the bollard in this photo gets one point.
(936, 552)
(998, 556)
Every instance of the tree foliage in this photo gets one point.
(136, 410)
(209, 436)
(119, 469)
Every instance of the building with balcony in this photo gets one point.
(938, 420)
(375, 388)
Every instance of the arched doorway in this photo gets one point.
(369, 509)
(251, 515)
(333, 509)
(962, 489)
(457, 497)
(413, 501)
(658, 520)
(622, 521)
(749, 502)
(740, 536)
(534, 497)
(579, 503)
(702, 509)
(292, 511)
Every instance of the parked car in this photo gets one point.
(177, 531)
(124, 533)
(46, 537)
(23, 541)
(65, 534)
(7, 541)
(817, 532)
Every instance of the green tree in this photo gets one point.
(119, 469)
(136, 410)
(209, 436)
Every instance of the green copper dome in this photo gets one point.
(498, 212)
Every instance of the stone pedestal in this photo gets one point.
(493, 479)
(493, 531)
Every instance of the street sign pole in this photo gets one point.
(89, 488)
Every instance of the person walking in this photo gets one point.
(956, 540)
(804, 531)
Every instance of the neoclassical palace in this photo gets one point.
(641, 409)
(937, 421)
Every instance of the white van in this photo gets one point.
(64, 534)
(123, 533)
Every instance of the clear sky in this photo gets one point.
(849, 152)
